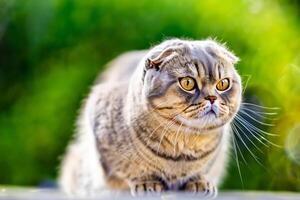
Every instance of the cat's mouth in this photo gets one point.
(212, 110)
(209, 117)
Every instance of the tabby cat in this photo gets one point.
(157, 120)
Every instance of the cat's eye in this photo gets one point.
(223, 84)
(187, 83)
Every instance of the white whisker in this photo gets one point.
(165, 132)
(239, 128)
(252, 154)
(262, 123)
(258, 112)
(246, 84)
(235, 131)
(237, 159)
(254, 135)
(258, 106)
(176, 137)
(254, 127)
(256, 130)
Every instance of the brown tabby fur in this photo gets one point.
(140, 130)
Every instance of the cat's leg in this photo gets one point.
(144, 185)
(199, 185)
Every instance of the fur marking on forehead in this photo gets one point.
(206, 54)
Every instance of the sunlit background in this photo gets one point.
(52, 50)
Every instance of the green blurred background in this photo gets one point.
(52, 50)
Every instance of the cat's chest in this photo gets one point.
(189, 160)
(190, 147)
(177, 173)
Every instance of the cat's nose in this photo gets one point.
(211, 98)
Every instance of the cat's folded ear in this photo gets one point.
(158, 57)
(222, 52)
(228, 55)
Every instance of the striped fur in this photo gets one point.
(139, 130)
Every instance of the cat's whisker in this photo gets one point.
(150, 111)
(235, 131)
(237, 159)
(165, 132)
(241, 119)
(237, 127)
(146, 114)
(256, 130)
(246, 84)
(149, 137)
(258, 112)
(254, 135)
(168, 126)
(121, 151)
(262, 123)
(172, 119)
(252, 154)
(259, 106)
(176, 137)
(160, 125)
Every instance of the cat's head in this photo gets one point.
(193, 83)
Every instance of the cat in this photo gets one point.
(157, 120)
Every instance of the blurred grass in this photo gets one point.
(51, 51)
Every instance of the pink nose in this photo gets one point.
(211, 98)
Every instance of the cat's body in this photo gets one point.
(138, 131)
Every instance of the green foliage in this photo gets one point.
(52, 50)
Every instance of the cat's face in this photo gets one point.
(193, 83)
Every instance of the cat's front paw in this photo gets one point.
(201, 187)
(147, 187)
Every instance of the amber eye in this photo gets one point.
(223, 84)
(187, 83)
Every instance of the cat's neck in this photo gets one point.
(175, 139)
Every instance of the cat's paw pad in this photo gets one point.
(201, 187)
(144, 188)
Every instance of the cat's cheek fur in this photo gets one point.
(170, 103)
(155, 83)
